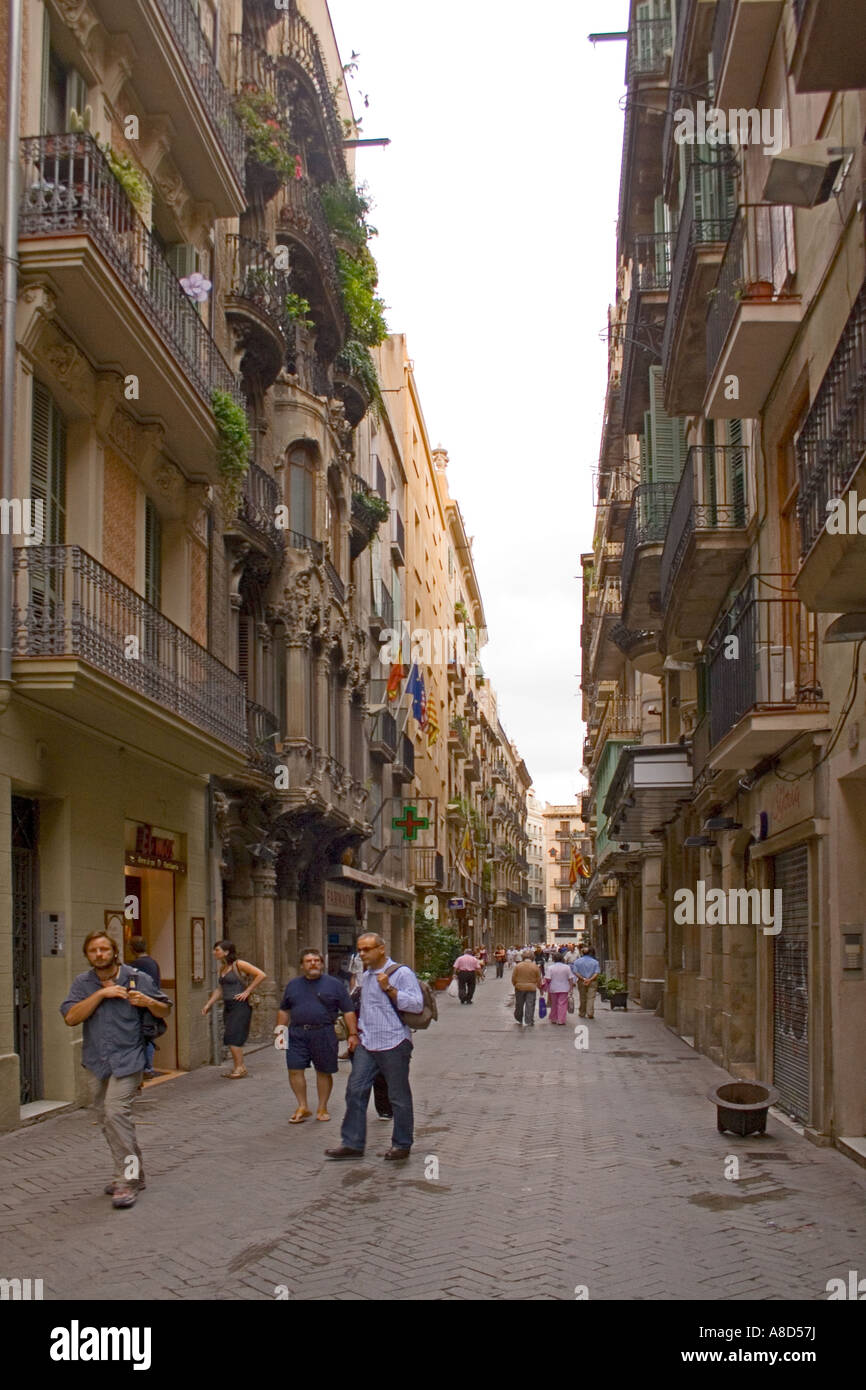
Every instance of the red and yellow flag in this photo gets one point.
(432, 721)
(397, 675)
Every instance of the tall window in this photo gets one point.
(48, 463)
(333, 526)
(301, 492)
(63, 89)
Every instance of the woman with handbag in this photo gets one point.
(560, 983)
(237, 1010)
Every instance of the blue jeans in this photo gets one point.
(149, 1049)
(394, 1066)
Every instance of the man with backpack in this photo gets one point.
(384, 1047)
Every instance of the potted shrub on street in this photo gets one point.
(617, 994)
(601, 986)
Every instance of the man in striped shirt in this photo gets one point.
(384, 1048)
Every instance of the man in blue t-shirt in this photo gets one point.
(310, 1005)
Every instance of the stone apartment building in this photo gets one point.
(722, 603)
(565, 839)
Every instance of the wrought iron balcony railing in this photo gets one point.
(302, 212)
(428, 867)
(652, 261)
(255, 278)
(299, 541)
(336, 582)
(677, 95)
(832, 443)
(646, 525)
(650, 45)
(711, 496)
(777, 654)
(198, 60)
(65, 604)
(261, 497)
(262, 728)
(383, 603)
(707, 184)
(253, 69)
(758, 256)
(299, 44)
(68, 188)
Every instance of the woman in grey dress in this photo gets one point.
(235, 991)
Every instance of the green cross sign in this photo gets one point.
(410, 823)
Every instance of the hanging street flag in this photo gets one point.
(415, 687)
(577, 868)
(468, 853)
(395, 679)
(432, 722)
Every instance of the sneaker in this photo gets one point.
(111, 1187)
(386, 1118)
(125, 1195)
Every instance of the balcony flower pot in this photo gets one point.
(756, 290)
(741, 1106)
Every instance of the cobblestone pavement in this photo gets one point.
(239, 1204)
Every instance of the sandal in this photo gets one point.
(233, 1075)
(299, 1116)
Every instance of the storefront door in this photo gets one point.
(26, 947)
(791, 985)
(154, 892)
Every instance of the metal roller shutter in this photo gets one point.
(791, 985)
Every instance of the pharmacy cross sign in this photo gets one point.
(410, 823)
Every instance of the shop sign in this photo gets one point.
(339, 899)
(152, 848)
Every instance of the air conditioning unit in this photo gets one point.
(774, 669)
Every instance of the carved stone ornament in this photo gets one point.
(168, 480)
(79, 17)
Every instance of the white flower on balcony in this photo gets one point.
(197, 287)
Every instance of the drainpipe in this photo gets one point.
(10, 305)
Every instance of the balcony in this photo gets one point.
(316, 118)
(457, 676)
(256, 518)
(698, 249)
(79, 231)
(298, 541)
(321, 789)
(383, 739)
(829, 55)
(337, 585)
(649, 784)
(831, 461)
(621, 720)
(753, 318)
(458, 739)
(255, 306)
(472, 770)
(262, 731)
(743, 37)
(368, 512)
(177, 78)
(428, 868)
(650, 44)
(382, 611)
(764, 688)
(640, 647)
(651, 278)
(87, 645)
(694, 27)
(604, 661)
(404, 764)
(302, 223)
(642, 552)
(398, 539)
(706, 540)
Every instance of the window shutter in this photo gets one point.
(668, 436)
(152, 555)
(244, 648)
(48, 463)
(737, 480)
(646, 449)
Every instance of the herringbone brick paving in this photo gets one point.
(557, 1168)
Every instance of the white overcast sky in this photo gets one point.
(496, 206)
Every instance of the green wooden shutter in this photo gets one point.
(710, 490)
(152, 555)
(182, 256)
(646, 449)
(244, 622)
(48, 463)
(668, 436)
(737, 477)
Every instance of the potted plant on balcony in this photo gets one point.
(759, 291)
(617, 994)
(368, 512)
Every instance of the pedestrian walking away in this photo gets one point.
(560, 985)
(467, 968)
(384, 1047)
(237, 1010)
(526, 979)
(587, 970)
(143, 961)
(309, 1008)
(109, 999)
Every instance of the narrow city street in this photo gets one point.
(562, 1173)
